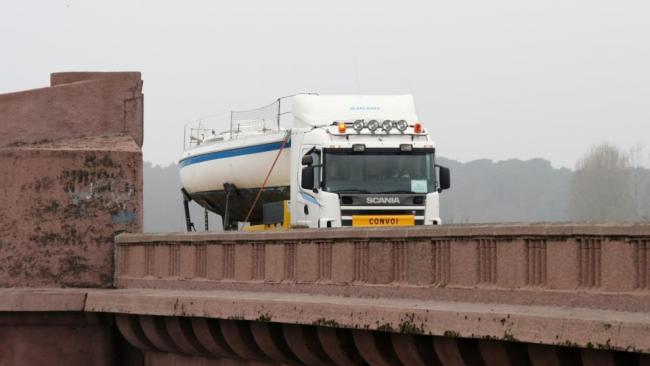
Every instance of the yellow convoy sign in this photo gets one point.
(382, 220)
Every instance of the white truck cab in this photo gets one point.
(362, 161)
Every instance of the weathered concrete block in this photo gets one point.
(161, 262)
(306, 262)
(380, 262)
(77, 105)
(215, 262)
(275, 258)
(72, 179)
(563, 265)
(343, 262)
(135, 261)
(464, 263)
(55, 338)
(243, 262)
(187, 268)
(619, 268)
(420, 263)
(511, 265)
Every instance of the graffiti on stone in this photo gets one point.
(102, 190)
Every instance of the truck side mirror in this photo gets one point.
(444, 178)
(307, 160)
(307, 181)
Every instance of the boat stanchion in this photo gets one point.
(229, 188)
(186, 206)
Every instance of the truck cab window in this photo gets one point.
(379, 172)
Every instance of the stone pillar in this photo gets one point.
(71, 178)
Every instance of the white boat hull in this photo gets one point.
(244, 163)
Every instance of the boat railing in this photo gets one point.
(195, 136)
(262, 120)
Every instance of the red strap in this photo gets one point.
(259, 193)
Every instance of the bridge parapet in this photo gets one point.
(600, 266)
(548, 293)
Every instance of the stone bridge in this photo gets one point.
(497, 294)
(78, 290)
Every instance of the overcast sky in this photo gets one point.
(492, 79)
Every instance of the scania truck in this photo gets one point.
(340, 160)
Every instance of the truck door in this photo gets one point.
(308, 208)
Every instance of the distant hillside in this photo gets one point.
(505, 191)
(482, 191)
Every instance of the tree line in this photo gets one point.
(607, 184)
(610, 184)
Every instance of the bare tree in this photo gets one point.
(602, 186)
(640, 182)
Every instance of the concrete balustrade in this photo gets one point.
(564, 293)
(505, 263)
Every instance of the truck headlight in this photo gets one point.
(387, 125)
(373, 125)
(402, 125)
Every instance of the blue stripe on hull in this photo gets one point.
(233, 152)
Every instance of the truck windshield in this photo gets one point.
(378, 172)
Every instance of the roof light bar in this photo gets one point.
(401, 125)
(358, 125)
(387, 125)
(372, 125)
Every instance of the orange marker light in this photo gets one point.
(341, 127)
(418, 127)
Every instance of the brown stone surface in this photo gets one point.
(71, 178)
(528, 264)
(537, 324)
(42, 299)
(559, 285)
(55, 338)
(560, 230)
(318, 345)
(76, 105)
(239, 327)
(166, 359)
